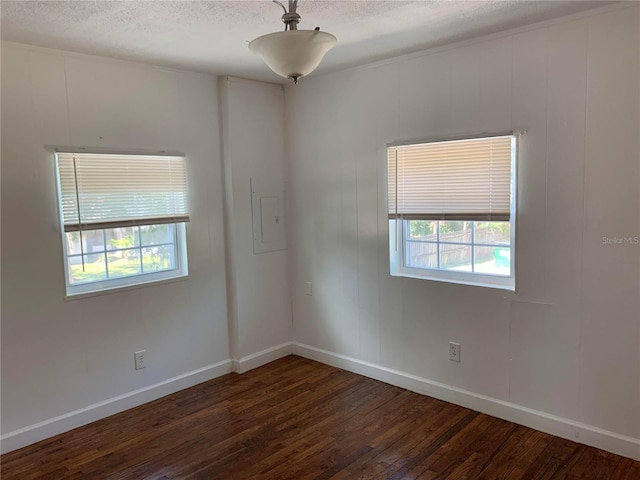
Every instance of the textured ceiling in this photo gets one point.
(211, 36)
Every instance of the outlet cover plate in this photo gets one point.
(454, 351)
(139, 359)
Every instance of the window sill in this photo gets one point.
(502, 283)
(124, 288)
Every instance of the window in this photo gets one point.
(452, 210)
(123, 219)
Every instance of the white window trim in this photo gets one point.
(399, 269)
(142, 279)
(397, 239)
(124, 288)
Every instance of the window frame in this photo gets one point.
(138, 280)
(398, 229)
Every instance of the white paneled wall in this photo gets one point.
(60, 357)
(567, 343)
(259, 297)
(610, 315)
(66, 363)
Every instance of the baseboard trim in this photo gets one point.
(552, 424)
(77, 418)
(68, 421)
(263, 357)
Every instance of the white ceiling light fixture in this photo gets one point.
(293, 53)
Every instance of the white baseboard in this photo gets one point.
(68, 421)
(263, 357)
(555, 425)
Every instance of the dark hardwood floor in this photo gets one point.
(298, 419)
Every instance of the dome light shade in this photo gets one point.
(293, 53)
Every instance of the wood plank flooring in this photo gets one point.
(299, 419)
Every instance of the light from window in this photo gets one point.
(452, 212)
(122, 218)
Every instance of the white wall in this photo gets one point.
(567, 343)
(60, 356)
(259, 292)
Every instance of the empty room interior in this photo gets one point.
(320, 239)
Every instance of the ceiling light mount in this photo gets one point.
(293, 53)
(291, 19)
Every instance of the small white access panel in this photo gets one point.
(268, 212)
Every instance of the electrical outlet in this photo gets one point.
(139, 359)
(454, 351)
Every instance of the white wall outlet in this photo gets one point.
(454, 351)
(139, 358)
(308, 288)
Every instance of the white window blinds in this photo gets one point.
(451, 180)
(108, 191)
